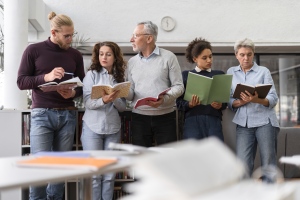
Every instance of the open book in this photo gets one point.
(261, 89)
(143, 101)
(208, 89)
(124, 88)
(66, 160)
(68, 84)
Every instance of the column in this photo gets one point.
(15, 42)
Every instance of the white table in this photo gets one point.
(12, 176)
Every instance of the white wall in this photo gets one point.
(266, 22)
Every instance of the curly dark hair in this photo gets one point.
(195, 48)
(119, 66)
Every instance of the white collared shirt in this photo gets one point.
(199, 70)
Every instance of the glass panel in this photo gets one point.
(285, 71)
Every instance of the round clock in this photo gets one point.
(167, 23)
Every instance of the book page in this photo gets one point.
(240, 87)
(72, 80)
(51, 88)
(220, 88)
(68, 84)
(124, 88)
(198, 85)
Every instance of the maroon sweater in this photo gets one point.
(41, 58)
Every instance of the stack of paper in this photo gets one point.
(205, 169)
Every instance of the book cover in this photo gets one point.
(261, 89)
(68, 84)
(67, 162)
(143, 101)
(124, 88)
(208, 89)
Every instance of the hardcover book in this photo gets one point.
(215, 89)
(68, 84)
(143, 101)
(124, 88)
(261, 89)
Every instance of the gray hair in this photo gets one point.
(150, 28)
(244, 43)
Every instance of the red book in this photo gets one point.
(143, 101)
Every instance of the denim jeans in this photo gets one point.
(161, 127)
(202, 126)
(246, 144)
(103, 185)
(51, 130)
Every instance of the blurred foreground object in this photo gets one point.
(204, 169)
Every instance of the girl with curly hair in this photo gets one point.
(101, 122)
(201, 121)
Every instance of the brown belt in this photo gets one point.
(67, 108)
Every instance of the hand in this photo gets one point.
(156, 104)
(194, 101)
(107, 98)
(56, 73)
(248, 97)
(67, 93)
(216, 105)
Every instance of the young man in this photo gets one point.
(150, 72)
(53, 115)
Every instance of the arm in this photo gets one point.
(27, 77)
(79, 72)
(120, 104)
(180, 102)
(88, 83)
(175, 77)
(132, 86)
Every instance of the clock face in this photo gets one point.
(167, 23)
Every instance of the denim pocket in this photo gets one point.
(36, 112)
(72, 113)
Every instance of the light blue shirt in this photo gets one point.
(101, 118)
(254, 114)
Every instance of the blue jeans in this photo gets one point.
(246, 144)
(146, 128)
(202, 126)
(51, 130)
(103, 185)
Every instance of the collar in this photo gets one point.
(253, 68)
(155, 51)
(53, 45)
(199, 70)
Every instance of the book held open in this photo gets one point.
(143, 101)
(124, 88)
(261, 89)
(68, 84)
(215, 89)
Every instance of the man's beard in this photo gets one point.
(62, 45)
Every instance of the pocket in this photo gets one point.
(37, 112)
(72, 113)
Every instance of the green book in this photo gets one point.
(208, 89)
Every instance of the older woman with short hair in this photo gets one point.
(255, 117)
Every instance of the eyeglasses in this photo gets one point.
(135, 36)
(68, 36)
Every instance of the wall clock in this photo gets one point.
(168, 23)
